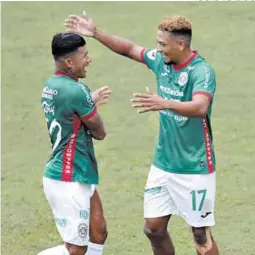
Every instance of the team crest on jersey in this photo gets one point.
(183, 79)
(152, 54)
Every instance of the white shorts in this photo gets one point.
(70, 204)
(190, 196)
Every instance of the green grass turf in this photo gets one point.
(222, 33)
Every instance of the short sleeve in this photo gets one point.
(83, 104)
(204, 82)
(152, 58)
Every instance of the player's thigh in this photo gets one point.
(157, 199)
(97, 219)
(70, 204)
(195, 198)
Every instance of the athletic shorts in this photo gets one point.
(190, 196)
(70, 205)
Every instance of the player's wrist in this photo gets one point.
(167, 104)
(96, 32)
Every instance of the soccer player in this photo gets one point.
(71, 173)
(181, 180)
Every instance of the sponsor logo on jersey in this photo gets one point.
(183, 79)
(49, 93)
(88, 96)
(190, 68)
(176, 117)
(202, 163)
(168, 90)
(166, 71)
(152, 54)
(208, 146)
(48, 108)
(207, 77)
(68, 154)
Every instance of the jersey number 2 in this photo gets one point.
(54, 124)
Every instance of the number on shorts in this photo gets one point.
(54, 124)
(194, 195)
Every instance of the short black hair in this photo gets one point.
(65, 43)
(185, 34)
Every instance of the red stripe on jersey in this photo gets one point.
(89, 116)
(179, 67)
(68, 155)
(203, 93)
(65, 74)
(208, 147)
(142, 57)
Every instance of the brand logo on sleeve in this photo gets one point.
(152, 54)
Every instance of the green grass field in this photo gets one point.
(223, 33)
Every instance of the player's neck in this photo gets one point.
(66, 72)
(185, 56)
(185, 59)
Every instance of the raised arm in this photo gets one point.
(119, 45)
(85, 26)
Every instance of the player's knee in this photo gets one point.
(152, 231)
(157, 235)
(100, 232)
(76, 250)
(199, 235)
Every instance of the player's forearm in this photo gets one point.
(187, 109)
(98, 135)
(99, 132)
(117, 44)
(97, 128)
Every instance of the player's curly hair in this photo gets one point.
(177, 25)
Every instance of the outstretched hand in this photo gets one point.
(148, 101)
(82, 25)
(101, 95)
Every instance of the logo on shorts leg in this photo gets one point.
(153, 190)
(60, 222)
(205, 215)
(82, 230)
(207, 208)
(84, 214)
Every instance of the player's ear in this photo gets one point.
(68, 62)
(181, 45)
